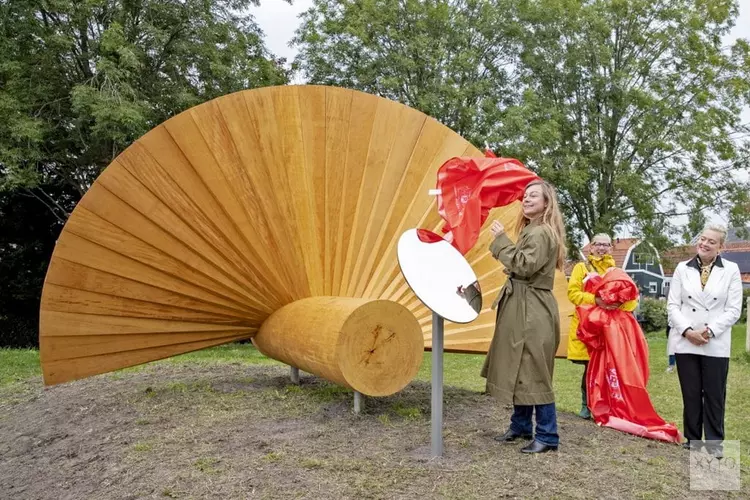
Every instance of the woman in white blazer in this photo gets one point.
(705, 301)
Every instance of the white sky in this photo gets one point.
(279, 20)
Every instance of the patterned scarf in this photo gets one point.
(705, 271)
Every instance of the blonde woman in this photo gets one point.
(597, 263)
(521, 358)
(705, 300)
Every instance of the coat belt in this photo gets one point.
(507, 289)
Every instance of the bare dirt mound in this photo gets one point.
(238, 431)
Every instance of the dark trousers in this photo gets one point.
(703, 381)
(546, 422)
(583, 378)
(585, 364)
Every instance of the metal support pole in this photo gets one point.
(295, 374)
(359, 402)
(437, 385)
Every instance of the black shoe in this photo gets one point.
(537, 447)
(697, 445)
(510, 436)
(715, 451)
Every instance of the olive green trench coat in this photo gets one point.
(521, 358)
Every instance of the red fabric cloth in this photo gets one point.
(426, 236)
(618, 370)
(470, 188)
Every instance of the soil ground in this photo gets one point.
(239, 431)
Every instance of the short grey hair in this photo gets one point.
(603, 236)
(717, 228)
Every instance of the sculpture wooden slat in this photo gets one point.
(338, 115)
(255, 187)
(68, 323)
(75, 250)
(58, 371)
(175, 242)
(232, 210)
(85, 229)
(71, 346)
(79, 277)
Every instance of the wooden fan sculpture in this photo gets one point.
(270, 214)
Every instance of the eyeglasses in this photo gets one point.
(601, 244)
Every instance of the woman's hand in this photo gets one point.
(604, 305)
(496, 228)
(696, 337)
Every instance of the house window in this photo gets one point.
(653, 287)
(644, 259)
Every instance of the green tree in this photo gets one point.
(28, 231)
(632, 109)
(447, 58)
(695, 224)
(81, 79)
(653, 314)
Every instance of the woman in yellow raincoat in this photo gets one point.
(597, 263)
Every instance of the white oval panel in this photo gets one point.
(435, 270)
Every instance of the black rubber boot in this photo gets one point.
(585, 412)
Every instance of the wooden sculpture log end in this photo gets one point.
(372, 346)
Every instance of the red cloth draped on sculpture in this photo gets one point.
(618, 371)
(471, 187)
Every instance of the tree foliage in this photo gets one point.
(81, 79)
(696, 222)
(631, 108)
(653, 314)
(28, 231)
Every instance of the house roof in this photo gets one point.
(737, 252)
(737, 246)
(733, 236)
(739, 257)
(674, 256)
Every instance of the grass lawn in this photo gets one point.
(18, 364)
(462, 370)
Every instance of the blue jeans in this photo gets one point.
(546, 422)
(672, 360)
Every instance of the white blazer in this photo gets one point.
(718, 306)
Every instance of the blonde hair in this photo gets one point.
(717, 228)
(551, 217)
(603, 236)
